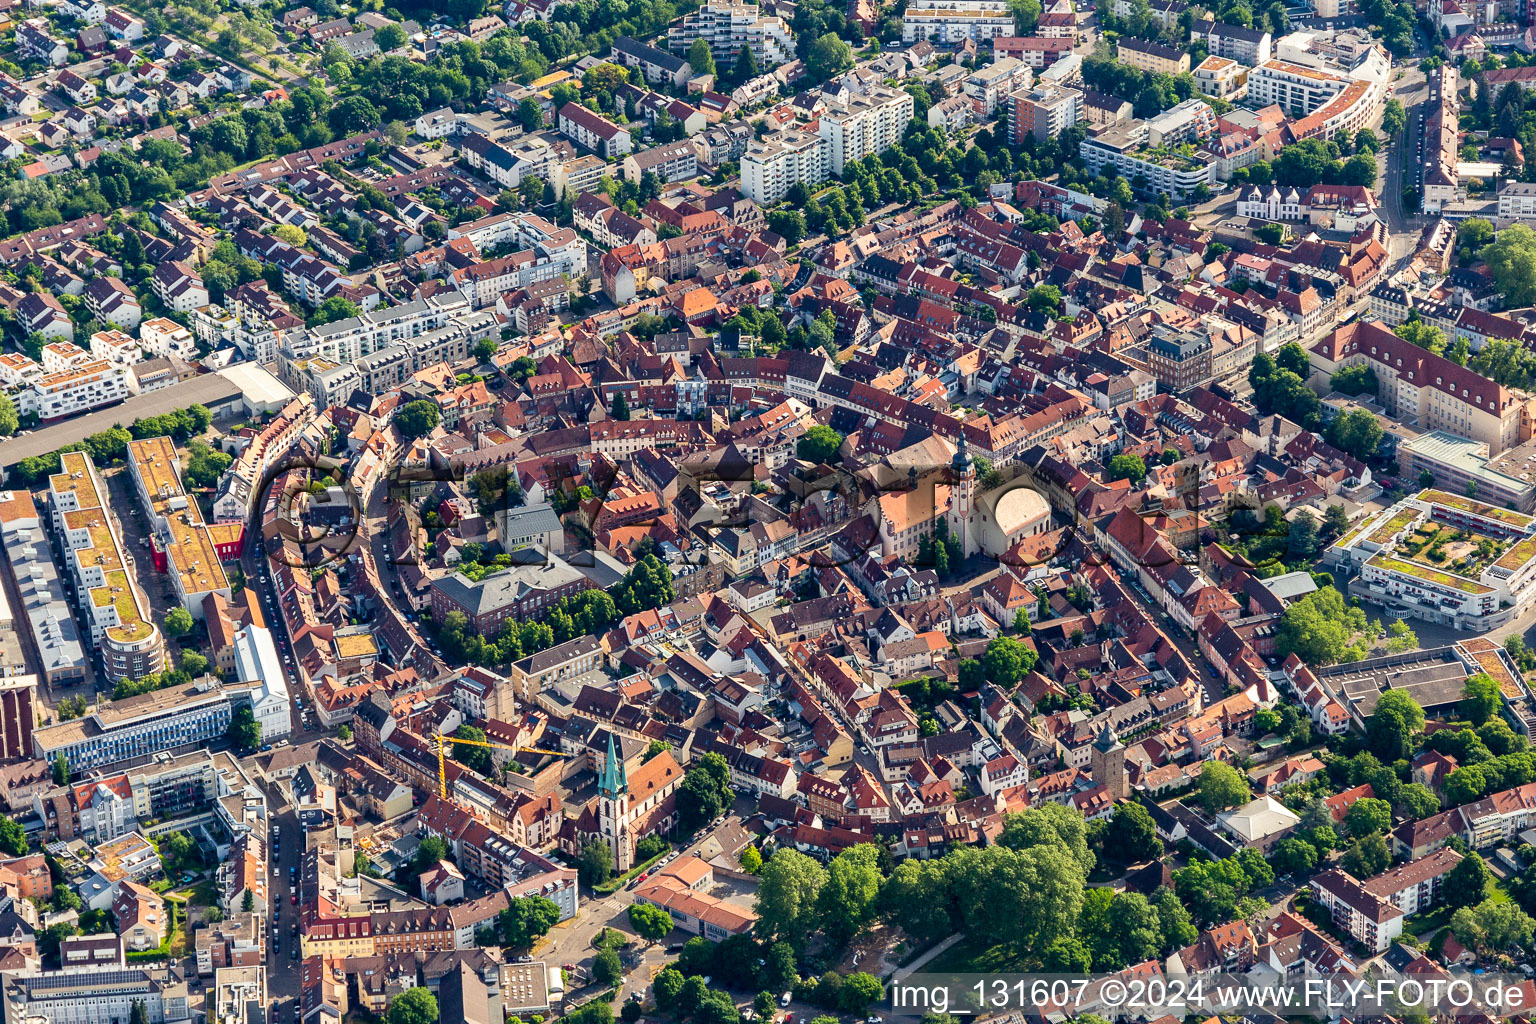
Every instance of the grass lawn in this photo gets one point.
(1426, 923)
(974, 954)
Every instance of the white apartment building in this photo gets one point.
(343, 341)
(1043, 112)
(1222, 77)
(77, 389)
(116, 347)
(1292, 86)
(771, 167)
(990, 85)
(954, 21)
(163, 336)
(728, 27)
(870, 122)
(1125, 149)
(673, 161)
(1517, 201)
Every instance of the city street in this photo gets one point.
(571, 942)
(1405, 153)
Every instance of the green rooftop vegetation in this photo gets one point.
(1394, 526)
(1476, 508)
(1515, 557)
(1429, 574)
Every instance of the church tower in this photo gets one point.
(613, 809)
(1107, 762)
(962, 499)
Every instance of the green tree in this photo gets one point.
(1355, 380)
(1424, 335)
(244, 732)
(1480, 698)
(1131, 835)
(667, 987)
(1418, 801)
(1128, 467)
(847, 897)
(1294, 856)
(1222, 786)
(819, 444)
(650, 922)
(828, 56)
(1006, 660)
(333, 309)
(916, 897)
(1368, 856)
(1396, 720)
(417, 418)
(416, 1005)
(177, 623)
(746, 65)
(1511, 258)
(1493, 926)
(700, 58)
(620, 406)
(789, 887)
(1468, 883)
(860, 988)
(1357, 432)
(61, 770)
(9, 421)
(607, 968)
(1368, 816)
(1393, 117)
(595, 863)
(476, 759)
(1319, 627)
(13, 838)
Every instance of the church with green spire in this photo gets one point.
(635, 798)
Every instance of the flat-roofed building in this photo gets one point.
(954, 21)
(116, 612)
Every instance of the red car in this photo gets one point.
(294, 900)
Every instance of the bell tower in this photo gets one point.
(962, 500)
(613, 809)
(1107, 762)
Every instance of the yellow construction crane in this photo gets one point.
(442, 762)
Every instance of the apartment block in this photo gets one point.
(989, 86)
(78, 389)
(1222, 77)
(955, 21)
(728, 27)
(181, 545)
(771, 167)
(1251, 46)
(870, 123)
(672, 161)
(1043, 112)
(1147, 55)
(594, 131)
